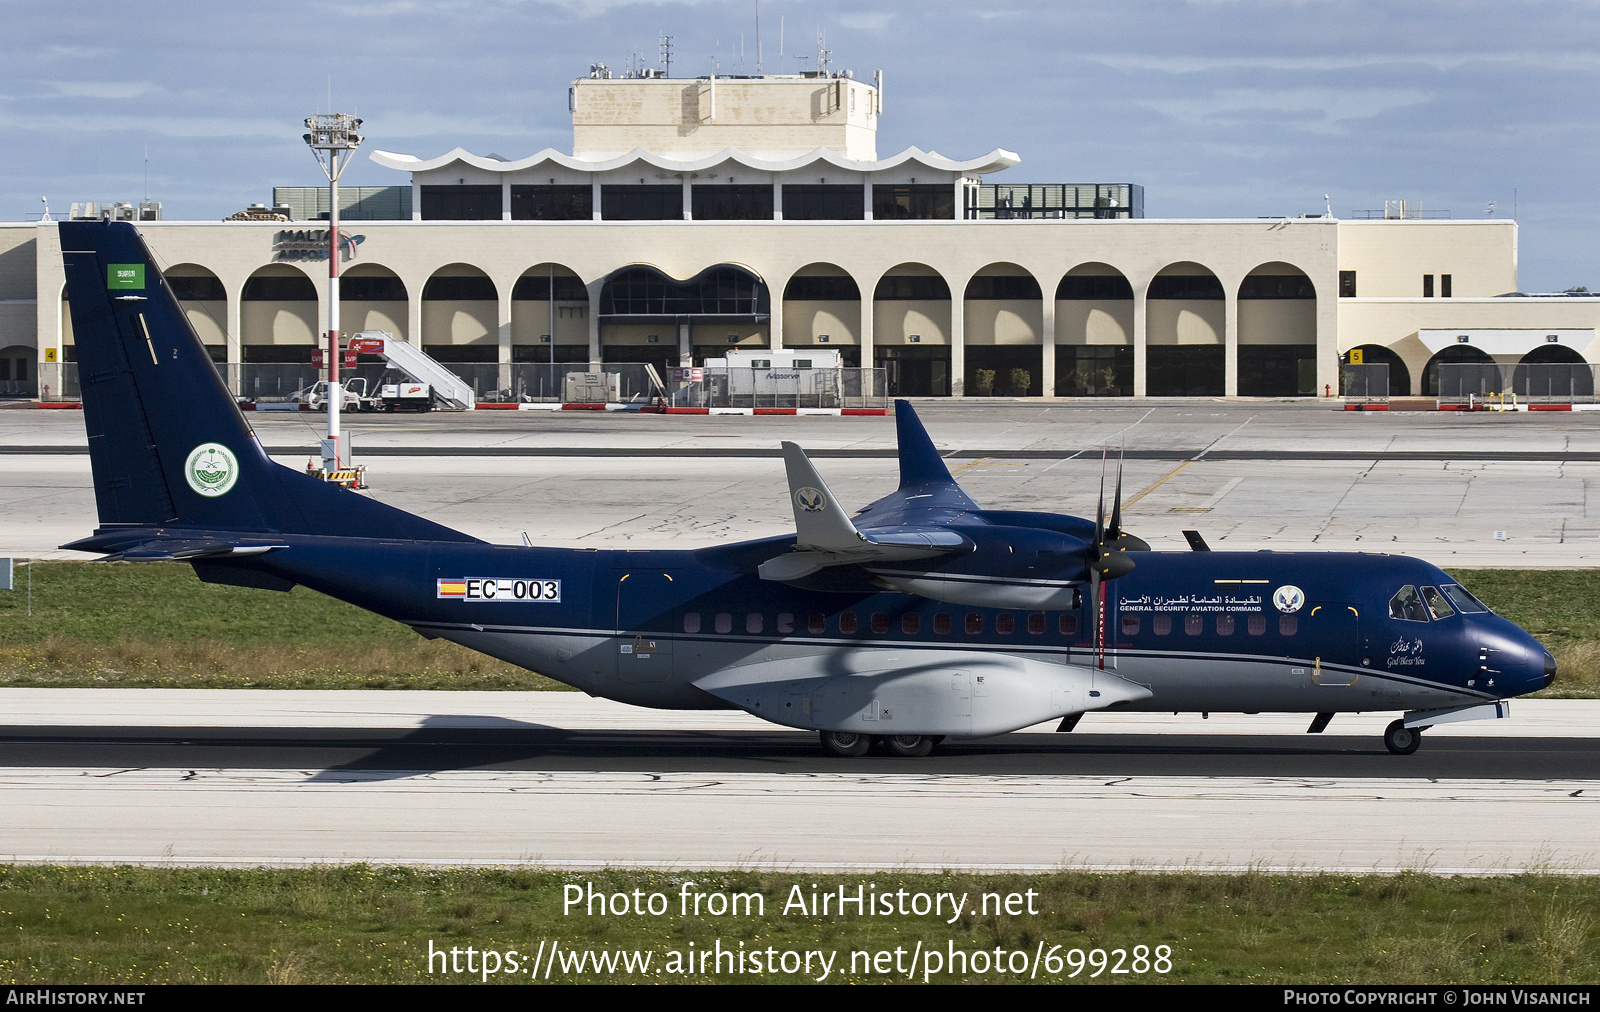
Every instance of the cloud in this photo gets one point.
(864, 22)
(101, 89)
(1325, 107)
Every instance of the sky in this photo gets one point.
(1220, 108)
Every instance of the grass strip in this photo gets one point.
(364, 924)
(155, 625)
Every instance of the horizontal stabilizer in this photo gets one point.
(825, 535)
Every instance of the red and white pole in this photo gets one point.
(330, 450)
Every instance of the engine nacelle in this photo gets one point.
(1026, 568)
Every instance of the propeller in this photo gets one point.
(1108, 554)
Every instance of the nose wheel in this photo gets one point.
(1402, 740)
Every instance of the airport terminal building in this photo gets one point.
(697, 215)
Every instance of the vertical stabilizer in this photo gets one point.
(167, 443)
(920, 462)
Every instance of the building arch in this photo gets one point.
(822, 309)
(1094, 332)
(278, 315)
(911, 327)
(204, 300)
(1184, 324)
(1003, 326)
(546, 328)
(1375, 354)
(646, 315)
(373, 297)
(460, 315)
(1277, 327)
(19, 371)
(1464, 354)
(1553, 372)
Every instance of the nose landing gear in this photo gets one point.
(1402, 740)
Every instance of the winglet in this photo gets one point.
(920, 462)
(820, 523)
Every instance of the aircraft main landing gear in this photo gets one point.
(846, 744)
(1402, 740)
(850, 745)
(908, 746)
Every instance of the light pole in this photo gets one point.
(333, 139)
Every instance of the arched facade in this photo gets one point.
(1277, 328)
(372, 297)
(460, 315)
(1464, 354)
(1185, 321)
(549, 315)
(279, 315)
(1553, 372)
(646, 315)
(1374, 354)
(204, 299)
(911, 325)
(1003, 316)
(1094, 332)
(821, 308)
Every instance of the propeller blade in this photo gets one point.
(1099, 618)
(1115, 531)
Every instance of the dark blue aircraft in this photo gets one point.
(920, 617)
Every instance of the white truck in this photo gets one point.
(407, 396)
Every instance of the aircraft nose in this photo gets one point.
(1549, 669)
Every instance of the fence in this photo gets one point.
(1474, 382)
(1365, 384)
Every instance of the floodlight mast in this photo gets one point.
(333, 140)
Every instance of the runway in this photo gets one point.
(249, 778)
(557, 779)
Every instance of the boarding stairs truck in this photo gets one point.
(444, 388)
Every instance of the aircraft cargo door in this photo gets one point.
(646, 610)
(1331, 637)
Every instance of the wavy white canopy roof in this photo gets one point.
(994, 161)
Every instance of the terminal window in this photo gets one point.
(823, 203)
(552, 203)
(460, 203)
(1347, 284)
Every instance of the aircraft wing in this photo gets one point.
(825, 535)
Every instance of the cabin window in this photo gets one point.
(1036, 623)
(1257, 625)
(691, 622)
(974, 624)
(1224, 625)
(1288, 624)
(1130, 625)
(724, 622)
(1406, 605)
(941, 624)
(910, 623)
(785, 623)
(1465, 602)
(847, 622)
(817, 623)
(1193, 624)
(880, 623)
(1161, 625)
(1438, 607)
(753, 622)
(1067, 625)
(1005, 623)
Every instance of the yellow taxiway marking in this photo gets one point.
(1169, 475)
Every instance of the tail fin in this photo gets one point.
(920, 462)
(167, 442)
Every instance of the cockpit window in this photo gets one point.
(1437, 605)
(1407, 606)
(1466, 604)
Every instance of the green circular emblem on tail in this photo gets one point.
(211, 469)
